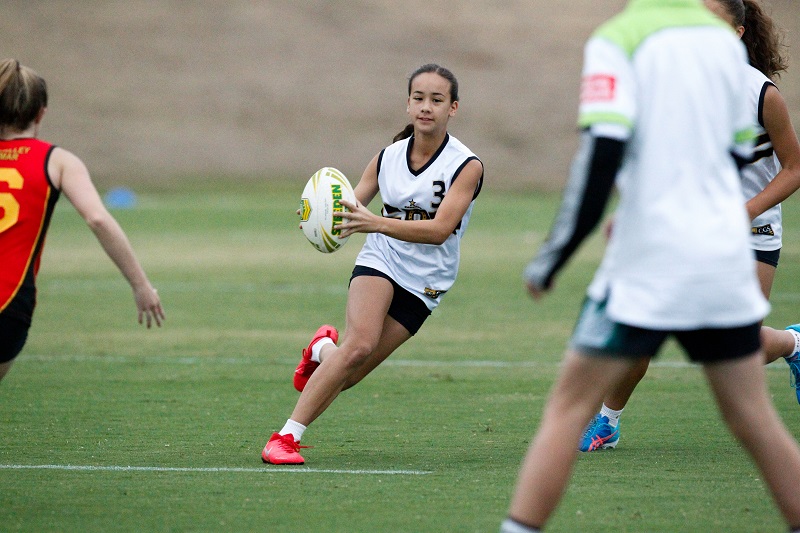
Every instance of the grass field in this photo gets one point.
(107, 426)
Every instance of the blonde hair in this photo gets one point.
(23, 94)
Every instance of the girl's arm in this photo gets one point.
(70, 174)
(434, 231)
(367, 187)
(779, 127)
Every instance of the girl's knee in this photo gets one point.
(353, 355)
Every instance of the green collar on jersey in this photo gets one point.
(642, 18)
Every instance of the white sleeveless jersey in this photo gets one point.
(766, 228)
(425, 270)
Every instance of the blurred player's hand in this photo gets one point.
(535, 291)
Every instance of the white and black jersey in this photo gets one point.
(766, 227)
(425, 270)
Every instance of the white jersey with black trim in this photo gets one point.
(425, 270)
(679, 256)
(767, 228)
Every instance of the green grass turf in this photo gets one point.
(243, 291)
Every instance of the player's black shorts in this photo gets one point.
(407, 309)
(13, 334)
(596, 333)
(769, 257)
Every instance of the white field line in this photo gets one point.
(264, 470)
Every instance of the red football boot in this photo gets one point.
(307, 366)
(282, 450)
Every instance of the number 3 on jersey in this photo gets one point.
(9, 207)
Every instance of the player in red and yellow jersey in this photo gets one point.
(33, 174)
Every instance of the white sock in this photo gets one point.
(796, 336)
(512, 526)
(295, 428)
(613, 416)
(318, 347)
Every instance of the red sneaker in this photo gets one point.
(307, 366)
(282, 450)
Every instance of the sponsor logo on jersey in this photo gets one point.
(598, 88)
(433, 294)
(412, 211)
(12, 154)
(415, 212)
(762, 230)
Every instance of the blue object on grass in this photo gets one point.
(120, 198)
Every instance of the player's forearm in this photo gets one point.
(117, 246)
(591, 180)
(419, 231)
(785, 183)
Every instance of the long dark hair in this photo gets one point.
(764, 41)
(23, 93)
(408, 131)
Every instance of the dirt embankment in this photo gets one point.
(149, 91)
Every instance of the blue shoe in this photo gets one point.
(599, 435)
(794, 378)
(794, 366)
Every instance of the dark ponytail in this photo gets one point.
(764, 41)
(408, 131)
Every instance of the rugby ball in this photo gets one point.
(320, 205)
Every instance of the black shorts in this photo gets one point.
(13, 334)
(409, 310)
(596, 333)
(768, 257)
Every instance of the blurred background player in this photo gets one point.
(33, 173)
(772, 177)
(428, 181)
(672, 140)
